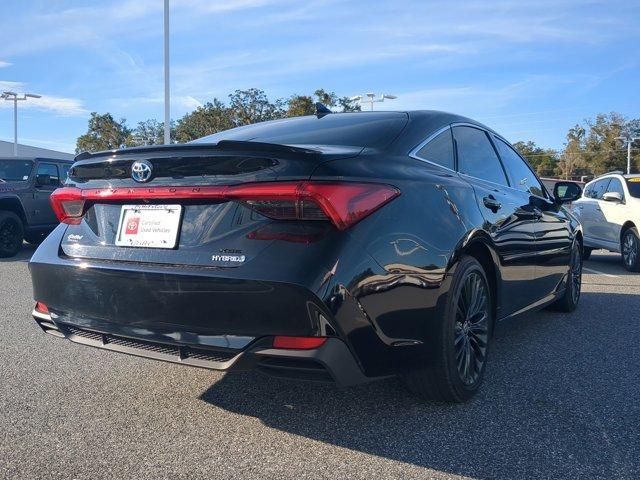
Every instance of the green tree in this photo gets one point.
(211, 118)
(252, 106)
(348, 105)
(103, 133)
(543, 161)
(300, 105)
(150, 132)
(572, 160)
(602, 150)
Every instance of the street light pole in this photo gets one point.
(13, 97)
(371, 98)
(629, 140)
(167, 113)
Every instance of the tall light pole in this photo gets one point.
(167, 111)
(629, 140)
(371, 98)
(13, 97)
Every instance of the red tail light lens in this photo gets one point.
(344, 204)
(298, 343)
(68, 205)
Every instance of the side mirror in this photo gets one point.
(615, 197)
(566, 192)
(43, 180)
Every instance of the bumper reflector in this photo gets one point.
(298, 343)
(42, 308)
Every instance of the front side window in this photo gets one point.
(520, 174)
(439, 150)
(596, 189)
(15, 170)
(476, 156)
(615, 185)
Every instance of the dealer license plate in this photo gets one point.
(149, 226)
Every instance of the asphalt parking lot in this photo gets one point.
(560, 400)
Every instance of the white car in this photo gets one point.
(609, 211)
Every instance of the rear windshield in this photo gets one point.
(374, 130)
(15, 170)
(634, 186)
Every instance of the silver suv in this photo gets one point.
(609, 211)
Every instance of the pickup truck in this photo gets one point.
(25, 211)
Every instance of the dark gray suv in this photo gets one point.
(25, 211)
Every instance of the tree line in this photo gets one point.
(591, 148)
(244, 107)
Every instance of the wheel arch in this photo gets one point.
(625, 226)
(13, 204)
(479, 245)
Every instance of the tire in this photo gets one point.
(586, 253)
(630, 249)
(34, 238)
(11, 234)
(464, 334)
(571, 296)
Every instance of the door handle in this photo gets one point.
(491, 203)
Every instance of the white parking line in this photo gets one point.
(591, 270)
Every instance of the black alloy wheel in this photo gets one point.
(568, 302)
(629, 248)
(576, 274)
(462, 343)
(11, 234)
(472, 328)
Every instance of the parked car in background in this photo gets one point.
(334, 247)
(25, 210)
(609, 211)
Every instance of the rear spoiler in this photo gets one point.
(223, 145)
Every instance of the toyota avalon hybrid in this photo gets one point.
(333, 247)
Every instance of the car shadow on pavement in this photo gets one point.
(555, 403)
(24, 255)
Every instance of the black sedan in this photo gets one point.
(334, 247)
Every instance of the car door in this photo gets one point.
(613, 213)
(508, 220)
(552, 224)
(597, 225)
(43, 213)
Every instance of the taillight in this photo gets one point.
(298, 343)
(344, 204)
(68, 205)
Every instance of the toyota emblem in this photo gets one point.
(141, 171)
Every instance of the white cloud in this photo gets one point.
(4, 64)
(62, 106)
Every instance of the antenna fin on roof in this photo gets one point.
(321, 109)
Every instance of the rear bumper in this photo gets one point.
(192, 316)
(332, 362)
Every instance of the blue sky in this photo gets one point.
(530, 70)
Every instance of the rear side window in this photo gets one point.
(597, 188)
(476, 156)
(65, 172)
(439, 150)
(51, 170)
(520, 174)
